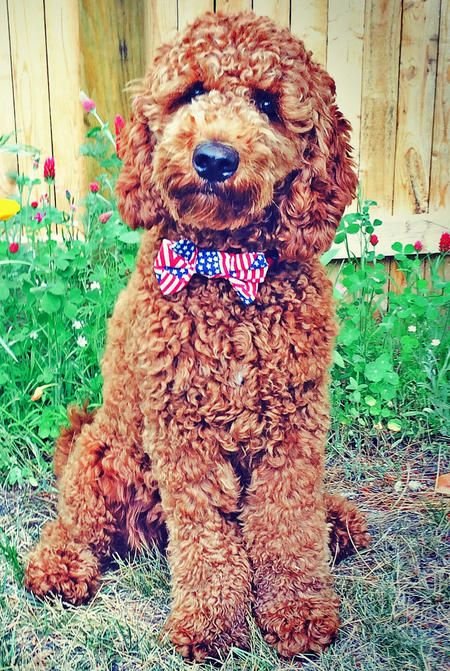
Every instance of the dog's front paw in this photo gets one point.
(203, 630)
(307, 624)
(294, 616)
(66, 568)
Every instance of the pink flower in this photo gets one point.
(418, 246)
(104, 217)
(444, 242)
(13, 247)
(87, 103)
(373, 239)
(49, 170)
(34, 204)
(94, 187)
(119, 124)
(39, 216)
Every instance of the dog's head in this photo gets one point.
(236, 139)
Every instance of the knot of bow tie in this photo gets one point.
(177, 262)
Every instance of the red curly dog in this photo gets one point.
(215, 412)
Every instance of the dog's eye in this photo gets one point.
(267, 104)
(193, 91)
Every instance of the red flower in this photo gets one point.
(418, 246)
(34, 204)
(39, 217)
(88, 103)
(94, 187)
(119, 124)
(373, 239)
(49, 169)
(444, 242)
(104, 217)
(13, 247)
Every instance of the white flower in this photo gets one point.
(412, 328)
(414, 485)
(34, 335)
(94, 285)
(81, 341)
(77, 325)
(435, 342)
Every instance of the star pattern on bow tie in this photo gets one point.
(177, 262)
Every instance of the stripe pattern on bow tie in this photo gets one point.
(177, 262)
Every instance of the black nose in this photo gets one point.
(215, 161)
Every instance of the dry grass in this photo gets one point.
(393, 595)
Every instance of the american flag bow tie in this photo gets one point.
(178, 261)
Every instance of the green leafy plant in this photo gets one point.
(391, 361)
(60, 272)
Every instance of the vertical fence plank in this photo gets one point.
(160, 25)
(420, 26)
(344, 59)
(63, 53)
(188, 10)
(440, 161)
(8, 162)
(112, 35)
(231, 6)
(379, 100)
(278, 10)
(29, 61)
(309, 22)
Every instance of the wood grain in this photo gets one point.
(29, 64)
(161, 20)
(309, 22)
(278, 10)
(231, 6)
(420, 27)
(62, 29)
(440, 156)
(379, 100)
(112, 35)
(427, 228)
(188, 11)
(8, 162)
(345, 58)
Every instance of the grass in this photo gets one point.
(393, 595)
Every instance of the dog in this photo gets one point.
(212, 432)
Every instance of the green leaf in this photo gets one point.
(328, 256)
(352, 229)
(58, 288)
(130, 237)
(397, 247)
(338, 360)
(50, 303)
(370, 401)
(4, 291)
(394, 425)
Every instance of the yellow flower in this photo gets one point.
(8, 208)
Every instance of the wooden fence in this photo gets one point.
(389, 59)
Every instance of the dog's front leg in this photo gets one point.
(287, 539)
(211, 582)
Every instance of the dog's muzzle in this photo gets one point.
(214, 161)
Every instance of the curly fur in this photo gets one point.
(215, 414)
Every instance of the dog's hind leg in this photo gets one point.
(98, 467)
(77, 417)
(347, 525)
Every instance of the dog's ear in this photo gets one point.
(139, 202)
(326, 182)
